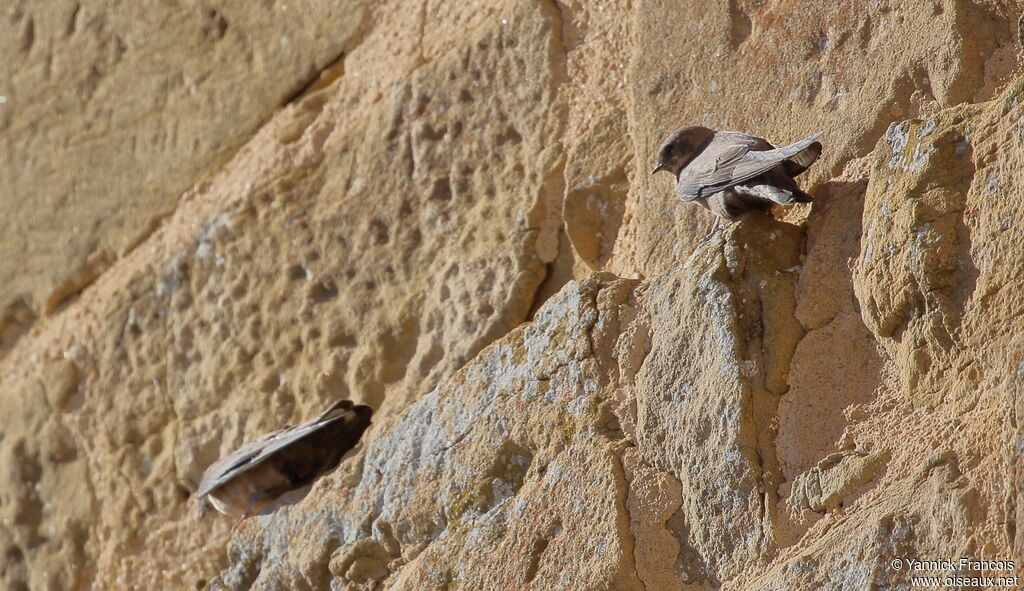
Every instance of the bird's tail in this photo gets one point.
(801, 197)
(334, 411)
(802, 160)
(784, 190)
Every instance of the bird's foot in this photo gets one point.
(715, 228)
(240, 521)
(249, 512)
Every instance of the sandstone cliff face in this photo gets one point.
(444, 211)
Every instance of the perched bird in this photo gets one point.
(731, 173)
(253, 476)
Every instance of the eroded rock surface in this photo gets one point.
(111, 112)
(444, 211)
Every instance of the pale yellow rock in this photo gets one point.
(449, 217)
(471, 491)
(653, 498)
(110, 113)
(826, 486)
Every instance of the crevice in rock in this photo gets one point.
(766, 303)
(593, 211)
(536, 552)
(316, 80)
(15, 322)
(334, 67)
(622, 478)
(549, 243)
(75, 282)
(421, 35)
(548, 208)
(557, 273)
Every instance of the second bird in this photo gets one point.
(731, 173)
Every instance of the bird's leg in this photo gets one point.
(715, 227)
(248, 511)
(241, 519)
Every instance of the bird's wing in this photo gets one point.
(803, 159)
(739, 163)
(335, 410)
(256, 452)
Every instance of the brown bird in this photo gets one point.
(731, 173)
(253, 476)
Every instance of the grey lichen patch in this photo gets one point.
(927, 128)
(898, 136)
(916, 204)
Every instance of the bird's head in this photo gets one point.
(678, 149)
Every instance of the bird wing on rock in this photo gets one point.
(738, 163)
(803, 159)
(258, 451)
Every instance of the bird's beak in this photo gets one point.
(660, 166)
